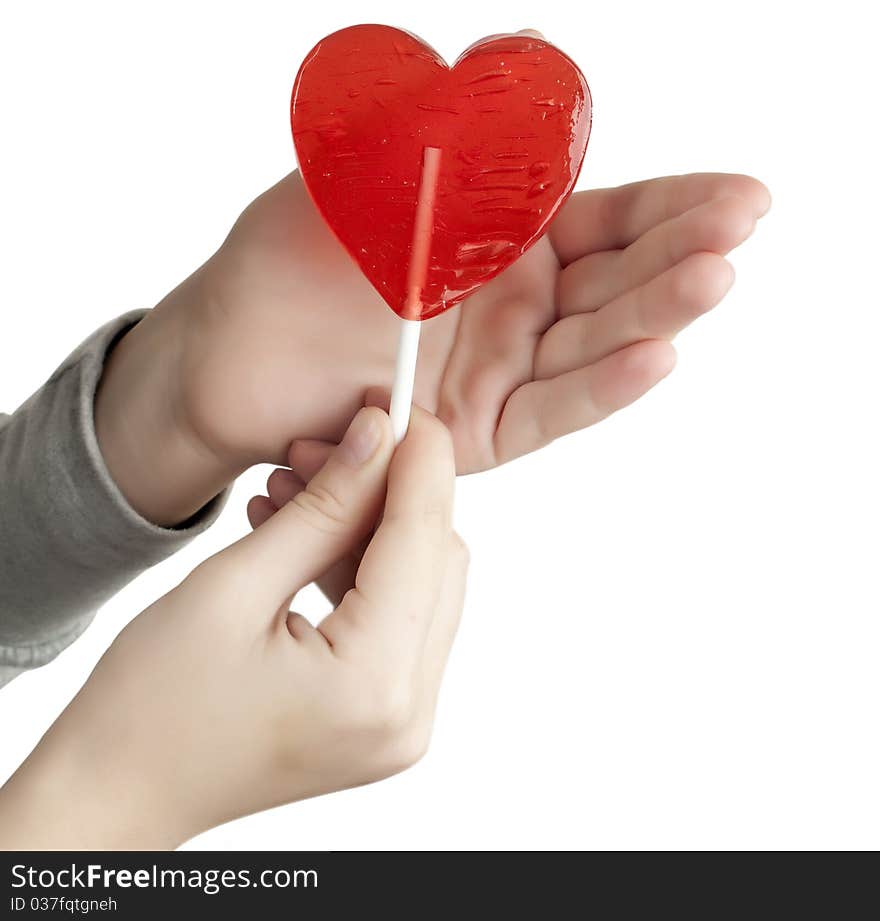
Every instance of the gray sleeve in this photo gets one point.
(68, 538)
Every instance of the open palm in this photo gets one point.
(294, 339)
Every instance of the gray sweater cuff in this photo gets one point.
(69, 540)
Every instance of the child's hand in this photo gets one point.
(576, 329)
(216, 702)
(279, 334)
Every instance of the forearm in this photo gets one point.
(69, 539)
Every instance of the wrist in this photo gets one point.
(160, 465)
(79, 791)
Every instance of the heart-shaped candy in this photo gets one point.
(510, 119)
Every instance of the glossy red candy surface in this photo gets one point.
(511, 119)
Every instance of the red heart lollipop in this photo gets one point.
(505, 130)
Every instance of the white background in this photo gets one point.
(671, 636)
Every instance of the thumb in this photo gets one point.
(328, 519)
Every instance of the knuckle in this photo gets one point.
(544, 423)
(384, 715)
(383, 708)
(407, 750)
(321, 508)
(394, 711)
(459, 550)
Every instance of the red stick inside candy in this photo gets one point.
(422, 228)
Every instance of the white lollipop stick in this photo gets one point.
(417, 272)
(404, 377)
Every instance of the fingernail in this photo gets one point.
(361, 440)
(534, 33)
